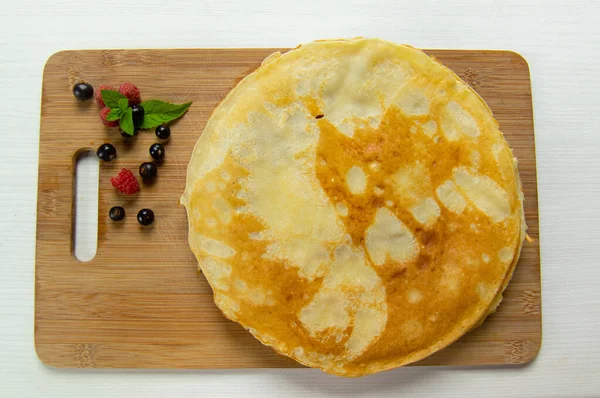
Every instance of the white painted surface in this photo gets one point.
(560, 40)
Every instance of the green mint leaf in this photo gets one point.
(126, 122)
(123, 104)
(115, 114)
(157, 112)
(111, 98)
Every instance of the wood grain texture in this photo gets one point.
(140, 302)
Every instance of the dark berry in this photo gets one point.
(163, 131)
(148, 171)
(124, 134)
(145, 216)
(157, 151)
(83, 91)
(116, 213)
(137, 112)
(106, 152)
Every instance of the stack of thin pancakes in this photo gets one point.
(354, 205)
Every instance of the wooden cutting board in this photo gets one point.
(140, 303)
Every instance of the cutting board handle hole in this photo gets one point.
(85, 223)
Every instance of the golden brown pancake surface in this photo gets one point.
(354, 205)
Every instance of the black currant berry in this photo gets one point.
(163, 131)
(137, 113)
(148, 171)
(157, 151)
(83, 91)
(106, 152)
(145, 216)
(116, 213)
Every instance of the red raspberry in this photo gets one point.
(131, 92)
(98, 94)
(107, 123)
(125, 182)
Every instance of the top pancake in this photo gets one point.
(354, 205)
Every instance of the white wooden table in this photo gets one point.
(561, 41)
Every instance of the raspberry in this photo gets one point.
(125, 182)
(107, 123)
(131, 92)
(98, 94)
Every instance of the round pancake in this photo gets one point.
(354, 205)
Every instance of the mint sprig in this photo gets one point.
(111, 98)
(114, 114)
(156, 112)
(123, 104)
(126, 122)
(118, 113)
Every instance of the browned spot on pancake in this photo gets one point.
(290, 293)
(423, 261)
(312, 107)
(392, 146)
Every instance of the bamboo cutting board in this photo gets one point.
(140, 303)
